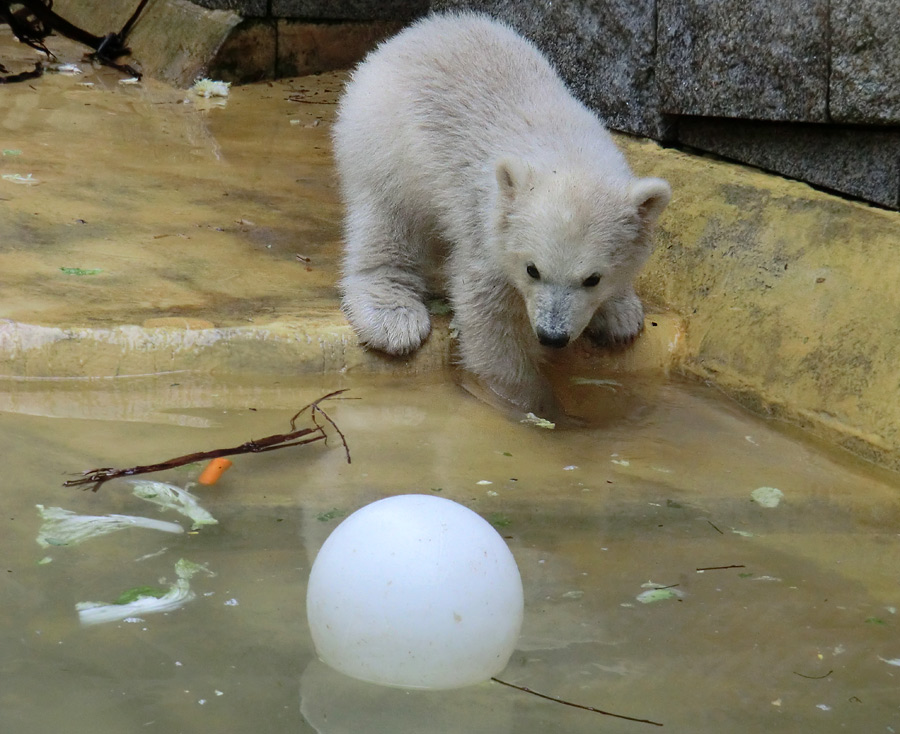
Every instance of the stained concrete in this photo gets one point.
(184, 221)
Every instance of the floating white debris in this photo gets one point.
(484, 482)
(621, 462)
(64, 69)
(209, 88)
(767, 496)
(823, 707)
(28, 179)
(131, 81)
(178, 595)
(654, 595)
(657, 592)
(742, 533)
(571, 467)
(893, 661)
(64, 527)
(533, 420)
(173, 498)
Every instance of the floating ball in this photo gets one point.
(415, 591)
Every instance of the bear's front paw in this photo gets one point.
(618, 321)
(393, 329)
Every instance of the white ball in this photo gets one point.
(415, 591)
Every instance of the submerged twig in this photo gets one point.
(813, 677)
(296, 437)
(719, 568)
(592, 709)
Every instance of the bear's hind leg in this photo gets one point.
(383, 280)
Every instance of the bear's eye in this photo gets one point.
(591, 280)
(533, 271)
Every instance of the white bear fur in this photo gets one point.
(458, 145)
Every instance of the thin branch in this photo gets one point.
(592, 709)
(296, 437)
(813, 677)
(719, 568)
(316, 408)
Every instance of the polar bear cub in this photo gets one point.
(458, 145)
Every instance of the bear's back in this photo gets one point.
(471, 80)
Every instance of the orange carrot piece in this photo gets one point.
(214, 470)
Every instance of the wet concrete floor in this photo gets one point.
(149, 202)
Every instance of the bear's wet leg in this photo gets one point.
(494, 339)
(618, 320)
(383, 281)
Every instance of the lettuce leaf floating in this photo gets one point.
(64, 527)
(144, 599)
(535, 420)
(767, 496)
(658, 592)
(171, 497)
(210, 88)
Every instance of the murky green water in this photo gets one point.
(799, 634)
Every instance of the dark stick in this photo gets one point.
(813, 677)
(574, 705)
(126, 29)
(720, 568)
(301, 437)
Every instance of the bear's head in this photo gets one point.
(567, 240)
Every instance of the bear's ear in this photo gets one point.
(513, 176)
(650, 196)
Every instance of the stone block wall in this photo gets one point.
(810, 90)
(281, 38)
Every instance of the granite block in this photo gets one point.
(349, 9)
(865, 61)
(247, 55)
(322, 9)
(244, 8)
(852, 161)
(754, 59)
(604, 49)
(311, 48)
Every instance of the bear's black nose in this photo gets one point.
(555, 340)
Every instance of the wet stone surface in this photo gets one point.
(122, 203)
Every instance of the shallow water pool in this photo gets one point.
(792, 627)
